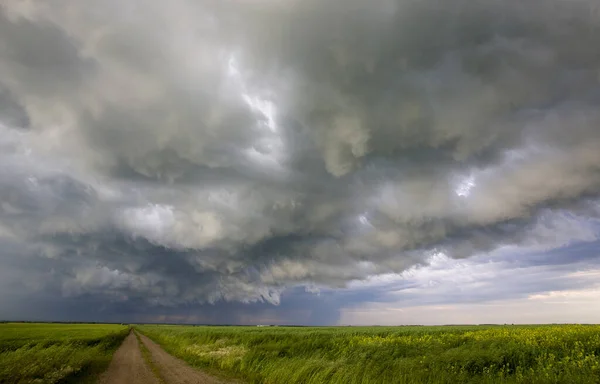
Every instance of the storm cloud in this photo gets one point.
(195, 152)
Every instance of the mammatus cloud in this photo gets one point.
(195, 152)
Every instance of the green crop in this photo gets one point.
(347, 355)
(56, 353)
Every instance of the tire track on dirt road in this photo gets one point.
(129, 366)
(175, 371)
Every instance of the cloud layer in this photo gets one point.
(206, 151)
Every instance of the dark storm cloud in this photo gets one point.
(196, 152)
(12, 113)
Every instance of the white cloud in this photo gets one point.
(231, 152)
(520, 311)
(500, 288)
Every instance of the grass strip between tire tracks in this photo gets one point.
(147, 355)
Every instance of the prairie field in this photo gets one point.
(56, 353)
(446, 354)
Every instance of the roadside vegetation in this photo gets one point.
(56, 353)
(454, 354)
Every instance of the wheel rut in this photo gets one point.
(128, 366)
(155, 366)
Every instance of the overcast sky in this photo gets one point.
(300, 161)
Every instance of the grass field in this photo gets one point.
(462, 354)
(56, 353)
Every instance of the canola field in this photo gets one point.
(56, 353)
(352, 355)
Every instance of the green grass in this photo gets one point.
(461, 354)
(56, 353)
(147, 355)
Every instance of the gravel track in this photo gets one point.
(129, 367)
(175, 371)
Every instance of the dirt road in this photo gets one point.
(175, 371)
(129, 367)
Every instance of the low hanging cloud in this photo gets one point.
(201, 151)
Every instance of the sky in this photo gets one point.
(312, 162)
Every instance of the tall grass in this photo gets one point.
(485, 354)
(56, 353)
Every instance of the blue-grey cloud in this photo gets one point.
(198, 152)
(496, 277)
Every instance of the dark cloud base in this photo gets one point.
(161, 158)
